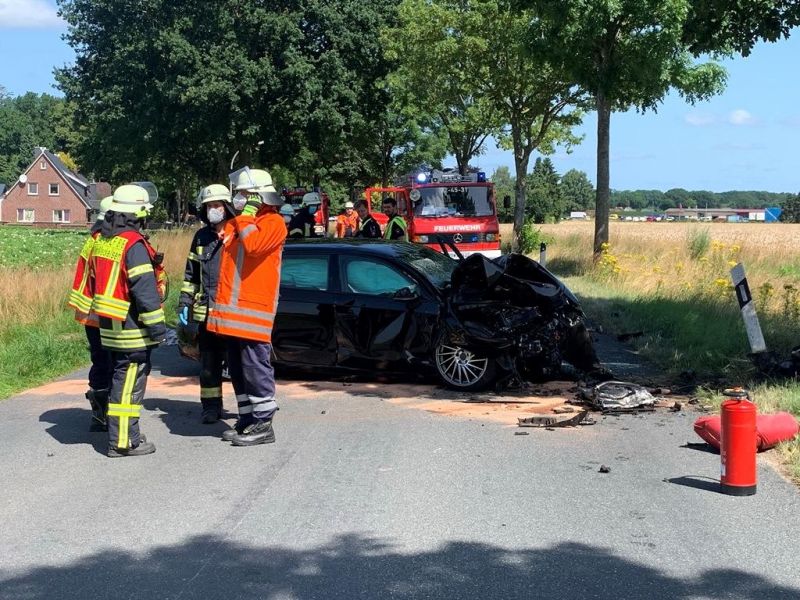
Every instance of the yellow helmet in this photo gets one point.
(105, 206)
(131, 199)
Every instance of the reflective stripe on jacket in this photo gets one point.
(126, 297)
(202, 273)
(396, 229)
(249, 277)
(81, 294)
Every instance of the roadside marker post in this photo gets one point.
(748, 309)
(543, 254)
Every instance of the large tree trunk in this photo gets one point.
(521, 167)
(603, 195)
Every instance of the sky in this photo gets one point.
(744, 139)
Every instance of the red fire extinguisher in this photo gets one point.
(738, 444)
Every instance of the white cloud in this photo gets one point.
(28, 14)
(700, 119)
(741, 117)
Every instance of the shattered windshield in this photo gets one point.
(453, 201)
(438, 267)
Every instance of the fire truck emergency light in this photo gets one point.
(422, 178)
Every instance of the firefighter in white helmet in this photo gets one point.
(245, 303)
(80, 299)
(126, 271)
(198, 291)
(304, 222)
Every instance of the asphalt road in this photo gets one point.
(362, 497)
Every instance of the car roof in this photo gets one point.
(385, 248)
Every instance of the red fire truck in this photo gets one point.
(446, 206)
(294, 196)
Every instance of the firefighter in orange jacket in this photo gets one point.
(246, 301)
(80, 299)
(125, 280)
(347, 222)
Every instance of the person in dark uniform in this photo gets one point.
(304, 222)
(199, 290)
(396, 228)
(368, 227)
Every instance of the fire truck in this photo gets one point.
(447, 207)
(294, 196)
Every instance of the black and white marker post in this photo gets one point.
(543, 254)
(748, 308)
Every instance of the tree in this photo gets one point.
(627, 54)
(466, 60)
(790, 210)
(577, 190)
(503, 187)
(439, 61)
(545, 201)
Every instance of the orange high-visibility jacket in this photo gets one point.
(347, 226)
(81, 295)
(249, 277)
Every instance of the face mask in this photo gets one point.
(286, 219)
(239, 200)
(215, 215)
(312, 210)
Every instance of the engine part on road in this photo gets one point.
(552, 421)
(619, 396)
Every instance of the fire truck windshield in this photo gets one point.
(453, 201)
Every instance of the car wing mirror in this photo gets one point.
(405, 293)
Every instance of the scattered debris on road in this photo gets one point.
(549, 421)
(604, 469)
(616, 396)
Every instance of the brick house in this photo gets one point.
(49, 194)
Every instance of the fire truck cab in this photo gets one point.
(459, 209)
(294, 196)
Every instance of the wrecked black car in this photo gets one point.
(375, 306)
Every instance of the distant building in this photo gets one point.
(47, 193)
(717, 214)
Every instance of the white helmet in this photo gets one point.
(287, 210)
(348, 204)
(131, 199)
(311, 198)
(256, 181)
(213, 193)
(105, 206)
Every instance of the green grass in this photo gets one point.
(39, 248)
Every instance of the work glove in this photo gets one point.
(183, 315)
(252, 205)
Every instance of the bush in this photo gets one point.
(699, 241)
(530, 238)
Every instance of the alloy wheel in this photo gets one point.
(460, 367)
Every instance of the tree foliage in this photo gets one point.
(545, 198)
(790, 212)
(504, 186)
(577, 190)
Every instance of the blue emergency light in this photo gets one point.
(481, 177)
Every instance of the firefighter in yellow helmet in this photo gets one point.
(198, 293)
(125, 272)
(80, 299)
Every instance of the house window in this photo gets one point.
(54, 189)
(33, 189)
(25, 215)
(43, 165)
(61, 216)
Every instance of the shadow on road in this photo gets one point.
(71, 426)
(698, 482)
(183, 418)
(356, 566)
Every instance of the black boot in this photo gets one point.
(99, 401)
(142, 449)
(238, 429)
(212, 410)
(257, 433)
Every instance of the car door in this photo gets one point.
(383, 315)
(304, 331)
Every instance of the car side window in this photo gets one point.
(305, 272)
(364, 276)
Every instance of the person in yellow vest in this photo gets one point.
(125, 271)
(396, 228)
(245, 304)
(198, 291)
(80, 299)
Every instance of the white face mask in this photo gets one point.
(239, 200)
(286, 219)
(215, 215)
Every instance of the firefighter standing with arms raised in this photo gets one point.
(245, 304)
(198, 292)
(126, 272)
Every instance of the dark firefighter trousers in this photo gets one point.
(125, 401)
(253, 379)
(213, 349)
(101, 369)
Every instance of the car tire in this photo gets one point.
(461, 369)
